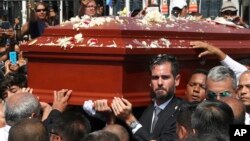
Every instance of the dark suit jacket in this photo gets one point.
(165, 128)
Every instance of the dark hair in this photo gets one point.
(176, 11)
(12, 79)
(212, 117)
(54, 8)
(245, 61)
(184, 115)
(163, 58)
(202, 71)
(28, 130)
(72, 125)
(135, 12)
(238, 108)
(209, 137)
(102, 135)
(41, 3)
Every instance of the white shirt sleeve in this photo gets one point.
(138, 126)
(234, 65)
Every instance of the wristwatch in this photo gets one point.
(133, 124)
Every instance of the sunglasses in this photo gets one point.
(91, 6)
(229, 13)
(213, 95)
(40, 10)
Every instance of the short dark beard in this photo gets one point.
(165, 98)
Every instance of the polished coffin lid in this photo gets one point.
(111, 59)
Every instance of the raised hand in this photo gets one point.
(208, 49)
(102, 107)
(61, 99)
(46, 109)
(28, 89)
(121, 107)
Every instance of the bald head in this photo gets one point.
(119, 130)
(28, 130)
(21, 106)
(238, 109)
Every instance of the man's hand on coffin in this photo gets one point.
(61, 98)
(122, 109)
(102, 107)
(28, 89)
(208, 49)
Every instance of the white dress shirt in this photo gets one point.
(234, 65)
(247, 119)
(4, 133)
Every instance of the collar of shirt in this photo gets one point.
(163, 105)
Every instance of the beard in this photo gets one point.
(163, 94)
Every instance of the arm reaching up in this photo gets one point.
(224, 58)
(61, 99)
(208, 50)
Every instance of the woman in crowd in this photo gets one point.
(37, 23)
(89, 7)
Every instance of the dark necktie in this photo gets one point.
(156, 116)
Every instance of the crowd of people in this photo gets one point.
(214, 99)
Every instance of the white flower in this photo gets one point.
(92, 42)
(169, 25)
(97, 21)
(108, 19)
(112, 45)
(153, 17)
(75, 19)
(154, 44)
(165, 42)
(64, 42)
(78, 38)
(86, 17)
(129, 46)
(144, 43)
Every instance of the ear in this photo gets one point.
(182, 133)
(177, 80)
(32, 115)
(194, 132)
(55, 138)
(58, 138)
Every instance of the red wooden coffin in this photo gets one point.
(111, 59)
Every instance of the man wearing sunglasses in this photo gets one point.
(221, 82)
